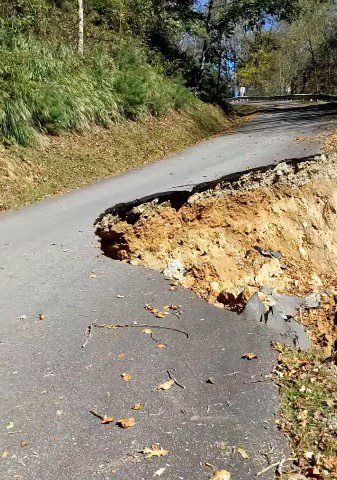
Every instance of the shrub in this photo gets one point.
(48, 88)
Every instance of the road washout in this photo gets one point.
(262, 244)
(275, 228)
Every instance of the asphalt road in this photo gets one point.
(49, 383)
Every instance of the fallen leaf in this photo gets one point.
(147, 330)
(126, 377)
(278, 346)
(166, 385)
(92, 275)
(161, 314)
(166, 307)
(314, 472)
(126, 422)
(242, 452)
(42, 316)
(10, 426)
(221, 475)
(138, 406)
(159, 472)
(121, 355)
(24, 444)
(4, 454)
(106, 420)
(154, 451)
(249, 356)
(59, 412)
(161, 345)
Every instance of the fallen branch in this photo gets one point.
(131, 325)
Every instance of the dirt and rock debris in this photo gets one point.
(274, 228)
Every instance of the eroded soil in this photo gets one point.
(275, 229)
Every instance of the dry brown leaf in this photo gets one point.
(242, 452)
(154, 451)
(161, 345)
(138, 406)
(278, 347)
(161, 314)
(221, 475)
(249, 356)
(121, 355)
(106, 420)
(166, 385)
(126, 422)
(315, 473)
(166, 307)
(42, 316)
(126, 377)
(24, 444)
(147, 330)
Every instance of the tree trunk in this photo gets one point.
(206, 41)
(80, 27)
(219, 65)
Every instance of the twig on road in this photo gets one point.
(88, 333)
(276, 465)
(131, 325)
(98, 415)
(175, 381)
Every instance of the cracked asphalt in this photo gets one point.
(51, 264)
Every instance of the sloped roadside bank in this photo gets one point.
(274, 229)
(69, 161)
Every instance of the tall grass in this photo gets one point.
(48, 88)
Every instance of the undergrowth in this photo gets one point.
(48, 88)
(308, 383)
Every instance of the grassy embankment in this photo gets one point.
(66, 121)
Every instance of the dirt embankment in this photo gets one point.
(275, 229)
(65, 162)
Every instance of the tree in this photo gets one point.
(80, 27)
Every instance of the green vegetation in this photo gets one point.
(146, 57)
(48, 88)
(293, 57)
(308, 383)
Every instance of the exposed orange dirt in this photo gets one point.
(212, 243)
